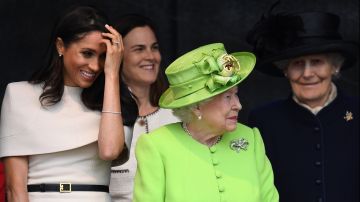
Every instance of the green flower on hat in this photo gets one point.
(223, 69)
(203, 73)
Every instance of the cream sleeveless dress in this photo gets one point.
(60, 141)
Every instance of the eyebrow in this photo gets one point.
(143, 45)
(92, 50)
(86, 48)
(137, 46)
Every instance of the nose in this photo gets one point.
(236, 105)
(96, 65)
(308, 71)
(149, 55)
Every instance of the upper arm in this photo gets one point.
(150, 173)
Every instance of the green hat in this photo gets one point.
(203, 73)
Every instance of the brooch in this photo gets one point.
(239, 144)
(348, 116)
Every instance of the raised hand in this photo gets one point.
(114, 50)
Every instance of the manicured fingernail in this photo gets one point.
(106, 25)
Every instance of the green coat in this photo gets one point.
(173, 167)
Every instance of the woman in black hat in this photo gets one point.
(312, 137)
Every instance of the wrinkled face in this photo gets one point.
(141, 57)
(83, 59)
(310, 78)
(221, 112)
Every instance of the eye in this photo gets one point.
(87, 54)
(155, 47)
(138, 49)
(227, 96)
(298, 63)
(316, 62)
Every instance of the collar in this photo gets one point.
(315, 110)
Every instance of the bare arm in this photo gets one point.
(16, 173)
(111, 134)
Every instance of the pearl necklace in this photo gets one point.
(184, 126)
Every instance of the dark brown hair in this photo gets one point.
(72, 26)
(124, 25)
(129, 22)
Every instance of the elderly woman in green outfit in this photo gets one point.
(209, 156)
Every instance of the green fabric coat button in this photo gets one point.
(218, 174)
(221, 188)
(213, 149)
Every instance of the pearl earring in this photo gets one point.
(199, 117)
(60, 54)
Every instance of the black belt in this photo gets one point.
(66, 187)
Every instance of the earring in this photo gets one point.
(60, 55)
(199, 117)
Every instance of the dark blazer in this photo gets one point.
(314, 157)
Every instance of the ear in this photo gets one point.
(196, 111)
(285, 72)
(60, 47)
(336, 70)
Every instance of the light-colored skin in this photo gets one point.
(218, 115)
(83, 61)
(141, 65)
(310, 78)
(16, 174)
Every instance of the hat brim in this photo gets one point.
(348, 49)
(167, 100)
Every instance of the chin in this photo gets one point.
(85, 84)
(231, 128)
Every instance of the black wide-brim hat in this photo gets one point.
(284, 36)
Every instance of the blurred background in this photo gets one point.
(26, 25)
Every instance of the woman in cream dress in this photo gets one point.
(55, 146)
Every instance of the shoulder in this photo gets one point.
(161, 139)
(161, 134)
(20, 84)
(20, 97)
(163, 111)
(348, 100)
(244, 131)
(22, 88)
(164, 130)
(167, 116)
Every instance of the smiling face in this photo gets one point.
(221, 112)
(141, 57)
(310, 78)
(83, 59)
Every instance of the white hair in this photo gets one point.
(335, 59)
(185, 114)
